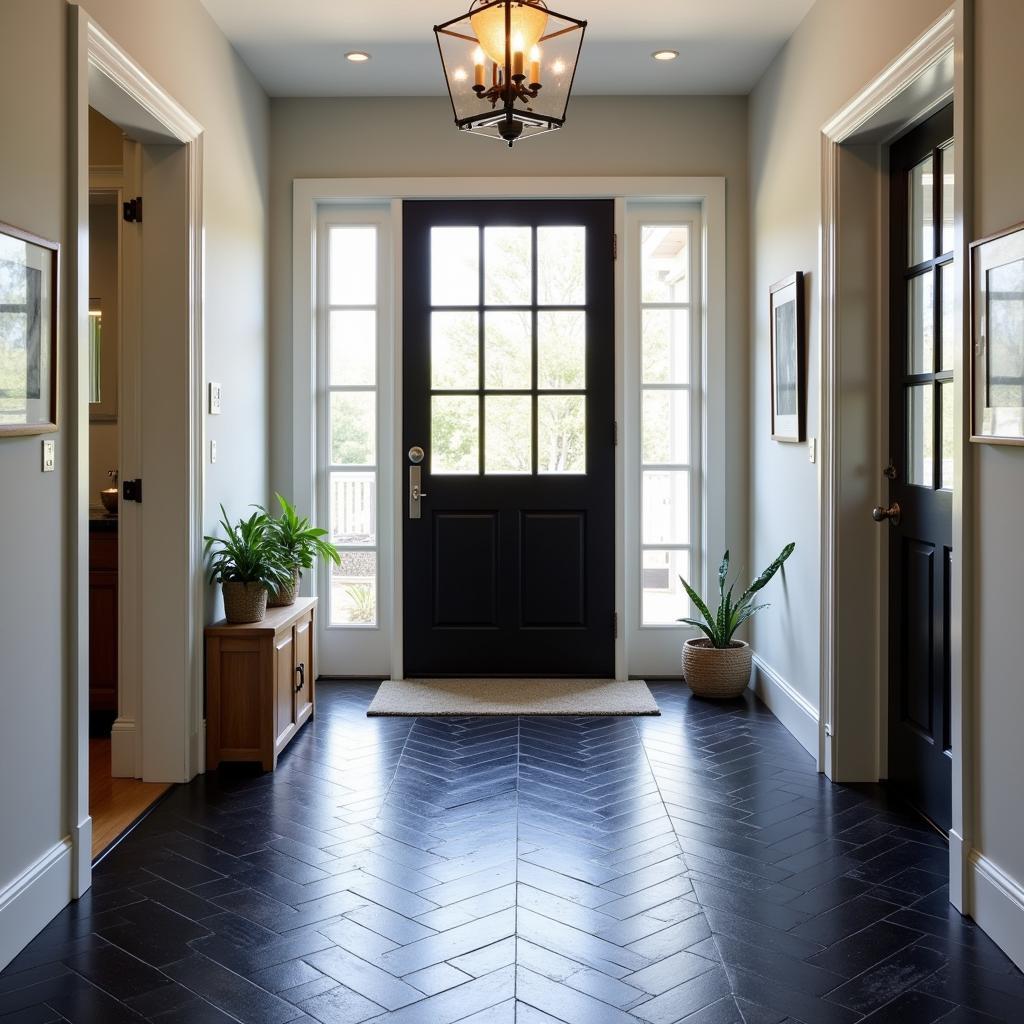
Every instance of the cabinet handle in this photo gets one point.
(301, 669)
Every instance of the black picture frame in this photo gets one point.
(29, 304)
(788, 328)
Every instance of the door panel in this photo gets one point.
(921, 395)
(284, 654)
(303, 675)
(508, 388)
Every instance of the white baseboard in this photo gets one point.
(122, 749)
(997, 905)
(33, 899)
(794, 711)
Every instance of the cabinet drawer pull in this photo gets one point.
(301, 669)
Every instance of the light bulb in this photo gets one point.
(529, 20)
(478, 56)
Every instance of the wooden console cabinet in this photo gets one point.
(260, 682)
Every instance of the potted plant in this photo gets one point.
(716, 665)
(299, 544)
(247, 565)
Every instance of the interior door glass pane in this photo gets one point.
(561, 350)
(562, 434)
(665, 263)
(353, 428)
(454, 351)
(353, 266)
(455, 266)
(508, 266)
(665, 427)
(353, 346)
(352, 500)
(666, 506)
(946, 400)
(663, 599)
(920, 323)
(454, 434)
(920, 435)
(921, 226)
(354, 589)
(950, 332)
(508, 434)
(947, 198)
(665, 346)
(562, 266)
(508, 350)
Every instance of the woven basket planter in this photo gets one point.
(286, 595)
(244, 602)
(716, 672)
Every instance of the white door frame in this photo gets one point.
(852, 742)
(102, 73)
(309, 194)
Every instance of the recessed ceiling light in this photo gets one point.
(665, 54)
(357, 57)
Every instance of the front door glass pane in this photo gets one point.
(562, 434)
(561, 266)
(508, 433)
(561, 350)
(507, 350)
(920, 323)
(950, 330)
(508, 263)
(454, 351)
(454, 266)
(454, 434)
(920, 212)
(666, 506)
(947, 198)
(920, 435)
(946, 406)
(353, 423)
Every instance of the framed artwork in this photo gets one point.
(997, 337)
(788, 335)
(28, 332)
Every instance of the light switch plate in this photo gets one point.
(49, 455)
(215, 393)
(812, 449)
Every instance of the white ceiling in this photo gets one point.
(297, 47)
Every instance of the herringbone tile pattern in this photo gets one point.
(692, 867)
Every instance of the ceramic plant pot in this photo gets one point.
(244, 602)
(716, 672)
(286, 595)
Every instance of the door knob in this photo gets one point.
(892, 513)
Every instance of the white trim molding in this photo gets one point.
(789, 706)
(32, 899)
(997, 905)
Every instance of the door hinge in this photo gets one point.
(615, 245)
(615, 625)
(133, 210)
(131, 490)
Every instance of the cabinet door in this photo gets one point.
(103, 640)
(284, 675)
(303, 669)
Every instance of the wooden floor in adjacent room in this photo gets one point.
(115, 803)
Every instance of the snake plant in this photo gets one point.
(719, 628)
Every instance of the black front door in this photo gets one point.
(508, 371)
(922, 340)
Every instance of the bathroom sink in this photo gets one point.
(109, 498)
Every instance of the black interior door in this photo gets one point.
(508, 389)
(923, 337)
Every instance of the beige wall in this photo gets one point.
(345, 138)
(838, 48)
(180, 47)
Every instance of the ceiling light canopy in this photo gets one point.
(357, 56)
(510, 66)
(665, 54)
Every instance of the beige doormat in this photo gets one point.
(439, 697)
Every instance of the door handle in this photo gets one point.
(301, 670)
(893, 513)
(416, 491)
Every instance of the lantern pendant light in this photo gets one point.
(510, 66)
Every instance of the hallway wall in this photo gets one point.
(180, 47)
(804, 86)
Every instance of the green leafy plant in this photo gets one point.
(298, 541)
(361, 596)
(247, 553)
(719, 628)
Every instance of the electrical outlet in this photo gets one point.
(213, 452)
(812, 449)
(49, 455)
(215, 394)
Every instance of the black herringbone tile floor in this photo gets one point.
(692, 867)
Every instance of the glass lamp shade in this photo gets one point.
(514, 91)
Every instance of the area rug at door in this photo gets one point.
(456, 697)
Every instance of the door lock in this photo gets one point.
(892, 513)
(416, 491)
